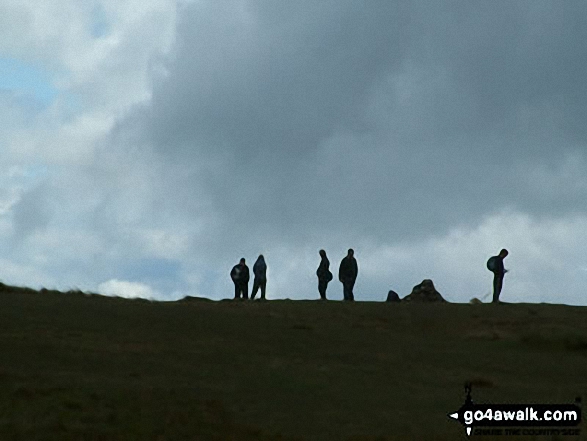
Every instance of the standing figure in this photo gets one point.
(324, 274)
(347, 274)
(240, 277)
(495, 265)
(260, 271)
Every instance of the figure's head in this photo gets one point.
(322, 253)
(351, 252)
(242, 261)
(261, 257)
(503, 253)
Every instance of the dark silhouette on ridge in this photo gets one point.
(424, 292)
(240, 277)
(260, 271)
(495, 265)
(392, 296)
(347, 274)
(324, 274)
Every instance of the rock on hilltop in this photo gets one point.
(424, 292)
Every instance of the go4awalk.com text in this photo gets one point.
(519, 419)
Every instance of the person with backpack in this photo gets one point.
(324, 274)
(347, 274)
(240, 277)
(495, 265)
(260, 271)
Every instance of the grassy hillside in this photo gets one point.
(74, 366)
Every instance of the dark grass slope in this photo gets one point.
(76, 367)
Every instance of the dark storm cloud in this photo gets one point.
(269, 77)
(311, 121)
(513, 59)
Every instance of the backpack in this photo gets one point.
(236, 273)
(491, 264)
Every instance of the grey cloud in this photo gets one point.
(506, 55)
(258, 97)
(282, 79)
(32, 212)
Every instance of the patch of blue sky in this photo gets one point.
(32, 89)
(27, 79)
(99, 24)
(29, 173)
(25, 176)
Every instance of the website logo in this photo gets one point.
(516, 419)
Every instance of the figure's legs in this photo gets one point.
(237, 291)
(346, 290)
(351, 295)
(245, 289)
(263, 285)
(497, 285)
(255, 289)
(322, 285)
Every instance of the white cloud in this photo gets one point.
(98, 79)
(122, 288)
(24, 274)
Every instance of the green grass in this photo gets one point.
(86, 367)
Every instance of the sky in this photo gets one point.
(147, 145)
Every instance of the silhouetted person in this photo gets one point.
(495, 265)
(240, 277)
(347, 274)
(324, 274)
(260, 271)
